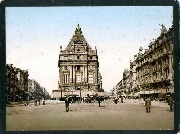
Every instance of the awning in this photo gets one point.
(100, 93)
(72, 95)
(151, 92)
(146, 92)
(163, 91)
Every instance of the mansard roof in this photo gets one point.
(78, 39)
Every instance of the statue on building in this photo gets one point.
(163, 29)
(60, 48)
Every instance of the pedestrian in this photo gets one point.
(121, 99)
(43, 101)
(35, 102)
(67, 104)
(99, 100)
(115, 100)
(27, 103)
(170, 103)
(39, 101)
(148, 104)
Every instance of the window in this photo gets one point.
(78, 67)
(66, 78)
(77, 57)
(78, 77)
(65, 57)
(91, 78)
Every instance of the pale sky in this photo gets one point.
(34, 34)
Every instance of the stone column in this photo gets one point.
(170, 67)
(83, 73)
(60, 75)
(171, 73)
(72, 72)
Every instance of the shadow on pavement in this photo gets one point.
(73, 110)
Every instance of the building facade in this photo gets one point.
(36, 91)
(151, 71)
(79, 67)
(155, 73)
(16, 83)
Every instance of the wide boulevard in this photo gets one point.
(129, 115)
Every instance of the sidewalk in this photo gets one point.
(141, 102)
(18, 103)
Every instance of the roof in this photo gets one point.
(78, 38)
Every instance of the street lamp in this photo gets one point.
(101, 82)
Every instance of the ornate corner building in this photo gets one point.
(154, 68)
(151, 71)
(79, 67)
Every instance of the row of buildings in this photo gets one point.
(78, 68)
(19, 87)
(151, 71)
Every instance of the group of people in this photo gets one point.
(38, 102)
(148, 104)
(117, 99)
(67, 101)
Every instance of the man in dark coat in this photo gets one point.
(99, 100)
(148, 104)
(121, 99)
(67, 104)
(170, 103)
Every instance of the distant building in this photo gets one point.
(79, 67)
(36, 91)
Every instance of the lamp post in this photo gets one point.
(80, 92)
(101, 83)
(154, 89)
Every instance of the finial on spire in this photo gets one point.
(78, 26)
(78, 31)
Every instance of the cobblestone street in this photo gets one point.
(130, 115)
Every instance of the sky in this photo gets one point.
(34, 35)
